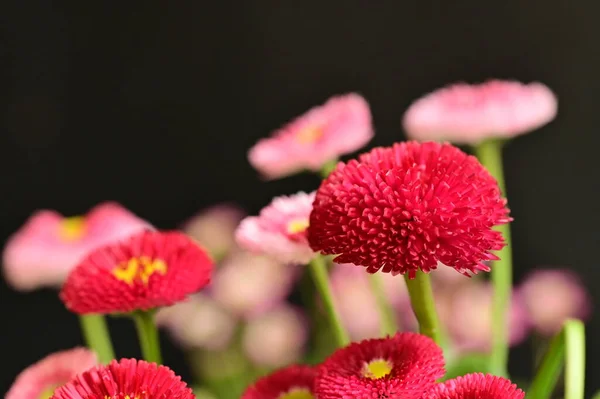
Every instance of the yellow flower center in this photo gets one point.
(297, 393)
(72, 229)
(309, 135)
(377, 368)
(139, 269)
(47, 393)
(297, 226)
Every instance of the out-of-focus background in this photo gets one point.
(154, 105)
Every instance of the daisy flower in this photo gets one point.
(293, 382)
(476, 386)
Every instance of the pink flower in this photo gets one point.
(280, 229)
(340, 126)
(469, 114)
(49, 245)
(40, 379)
(277, 338)
(552, 296)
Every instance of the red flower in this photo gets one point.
(476, 386)
(406, 207)
(146, 271)
(403, 366)
(293, 382)
(127, 378)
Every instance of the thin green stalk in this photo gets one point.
(148, 336)
(328, 168)
(97, 337)
(489, 153)
(387, 315)
(423, 304)
(318, 269)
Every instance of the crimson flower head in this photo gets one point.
(292, 382)
(475, 386)
(127, 378)
(403, 208)
(146, 271)
(402, 366)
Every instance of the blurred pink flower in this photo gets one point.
(40, 379)
(552, 296)
(49, 245)
(214, 228)
(280, 229)
(277, 338)
(340, 126)
(198, 322)
(446, 277)
(469, 114)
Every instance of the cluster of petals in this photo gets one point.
(476, 386)
(295, 379)
(407, 207)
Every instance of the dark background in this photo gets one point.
(154, 104)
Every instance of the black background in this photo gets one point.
(154, 104)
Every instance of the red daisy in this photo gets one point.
(148, 270)
(406, 207)
(476, 386)
(126, 379)
(403, 366)
(293, 382)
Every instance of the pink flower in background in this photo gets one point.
(340, 126)
(40, 379)
(280, 229)
(552, 296)
(49, 245)
(469, 114)
(277, 338)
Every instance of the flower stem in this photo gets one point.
(423, 304)
(148, 335)
(328, 168)
(97, 337)
(319, 273)
(490, 155)
(389, 324)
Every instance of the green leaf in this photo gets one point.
(472, 363)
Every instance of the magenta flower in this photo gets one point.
(280, 229)
(469, 114)
(49, 245)
(340, 126)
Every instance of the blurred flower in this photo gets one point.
(146, 271)
(340, 126)
(469, 114)
(49, 245)
(280, 229)
(407, 207)
(127, 378)
(476, 386)
(552, 296)
(447, 277)
(198, 322)
(248, 284)
(214, 228)
(277, 338)
(40, 379)
(402, 366)
(293, 382)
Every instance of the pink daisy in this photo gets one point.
(280, 229)
(469, 114)
(48, 246)
(340, 126)
(40, 379)
(475, 386)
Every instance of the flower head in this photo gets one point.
(40, 379)
(49, 246)
(340, 126)
(405, 208)
(468, 114)
(146, 271)
(475, 386)
(403, 366)
(293, 382)
(127, 378)
(280, 229)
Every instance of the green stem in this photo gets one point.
(387, 315)
(328, 168)
(423, 304)
(148, 335)
(490, 155)
(97, 337)
(318, 269)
